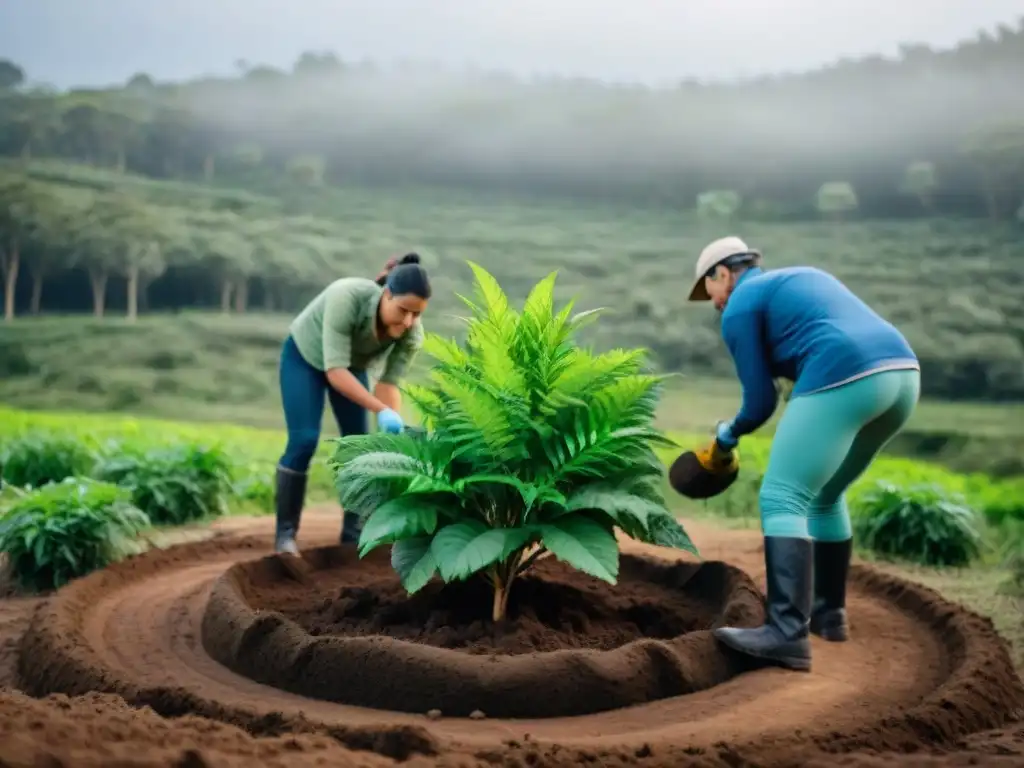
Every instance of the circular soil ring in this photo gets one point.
(920, 675)
(347, 633)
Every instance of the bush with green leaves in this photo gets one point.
(1012, 558)
(923, 524)
(533, 446)
(34, 459)
(173, 485)
(66, 530)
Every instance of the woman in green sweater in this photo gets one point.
(355, 327)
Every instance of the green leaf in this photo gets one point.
(402, 518)
(413, 562)
(462, 549)
(666, 531)
(449, 543)
(584, 544)
(622, 506)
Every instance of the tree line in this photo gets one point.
(76, 239)
(927, 132)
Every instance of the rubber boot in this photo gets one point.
(784, 639)
(351, 527)
(831, 566)
(290, 495)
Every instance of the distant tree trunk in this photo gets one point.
(241, 296)
(209, 167)
(144, 283)
(10, 262)
(98, 280)
(269, 305)
(37, 290)
(122, 161)
(226, 289)
(133, 294)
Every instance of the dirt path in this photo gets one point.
(918, 673)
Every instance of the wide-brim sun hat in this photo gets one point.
(714, 254)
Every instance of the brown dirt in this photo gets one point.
(588, 646)
(552, 608)
(918, 684)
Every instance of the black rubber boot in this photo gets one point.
(784, 639)
(290, 495)
(351, 527)
(831, 566)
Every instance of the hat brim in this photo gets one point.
(699, 292)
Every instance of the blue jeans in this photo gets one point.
(303, 388)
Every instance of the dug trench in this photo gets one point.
(120, 660)
(349, 634)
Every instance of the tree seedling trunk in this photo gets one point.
(501, 593)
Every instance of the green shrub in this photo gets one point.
(37, 458)
(256, 489)
(1012, 555)
(173, 486)
(922, 524)
(65, 530)
(532, 446)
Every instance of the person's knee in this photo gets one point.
(829, 521)
(783, 508)
(301, 446)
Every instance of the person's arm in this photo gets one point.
(340, 314)
(400, 359)
(398, 362)
(743, 335)
(389, 394)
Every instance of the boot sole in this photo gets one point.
(832, 635)
(793, 663)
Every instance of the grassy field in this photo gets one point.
(223, 368)
(255, 450)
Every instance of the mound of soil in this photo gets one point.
(553, 607)
(348, 633)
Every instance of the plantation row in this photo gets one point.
(82, 490)
(953, 139)
(75, 239)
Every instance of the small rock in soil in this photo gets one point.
(476, 714)
(434, 714)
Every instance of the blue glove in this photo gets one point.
(725, 437)
(389, 421)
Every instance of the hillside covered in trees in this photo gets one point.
(905, 177)
(930, 131)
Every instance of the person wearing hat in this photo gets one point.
(354, 326)
(856, 382)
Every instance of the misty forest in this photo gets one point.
(904, 176)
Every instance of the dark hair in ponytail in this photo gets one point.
(405, 275)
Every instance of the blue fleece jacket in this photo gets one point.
(801, 324)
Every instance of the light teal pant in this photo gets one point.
(823, 443)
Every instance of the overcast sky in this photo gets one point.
(69, 42)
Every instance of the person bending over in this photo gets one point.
(353, 328)
(856, 382)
